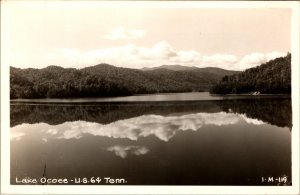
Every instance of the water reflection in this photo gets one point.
(276, 112)
(169, 143)
(16, 135)
(162, 127)
(273, 111)
(101, 112)
(123, 151)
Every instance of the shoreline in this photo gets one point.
(148, 98)
(239, 94)
(152, 94)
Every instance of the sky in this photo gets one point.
(48, 33)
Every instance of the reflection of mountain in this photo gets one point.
(102, 113)
(162, 127)
(153, 149)
(274, 111)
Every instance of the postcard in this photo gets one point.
(149, 97)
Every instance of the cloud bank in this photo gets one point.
(135, 56)
(161, 53)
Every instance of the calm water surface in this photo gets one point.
(192, 96)
(209, 142)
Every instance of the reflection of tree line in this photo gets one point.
(274, 111)
(101, 112)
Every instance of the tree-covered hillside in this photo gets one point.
(273, 77)
(106, 80)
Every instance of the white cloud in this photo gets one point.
(231, 62)
(256, 59)
(252, 60)
(130, 56)
(275, 54)
(226, 61)
(190, 56)
(161, 53)
(121, 33)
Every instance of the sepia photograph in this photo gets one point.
(163, 95)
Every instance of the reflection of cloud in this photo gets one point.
(16, 135)
(252, 121)
(162, 127)
(140, 151)
(123, 151)
(52, 131)
(74, 132)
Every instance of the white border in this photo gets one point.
(295, 93)
(5, 127)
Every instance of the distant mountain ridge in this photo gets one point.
(171, 67)
(106, 80)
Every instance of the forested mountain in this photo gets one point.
(213, 70)
(273, 77)
(107, 80)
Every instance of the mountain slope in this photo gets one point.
(213, 70)
(106, 80)
(273, 77)
(171, 67)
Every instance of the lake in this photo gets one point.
(191, 96)
(165, 139)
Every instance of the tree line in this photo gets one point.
(273, 77)
(106, 80)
